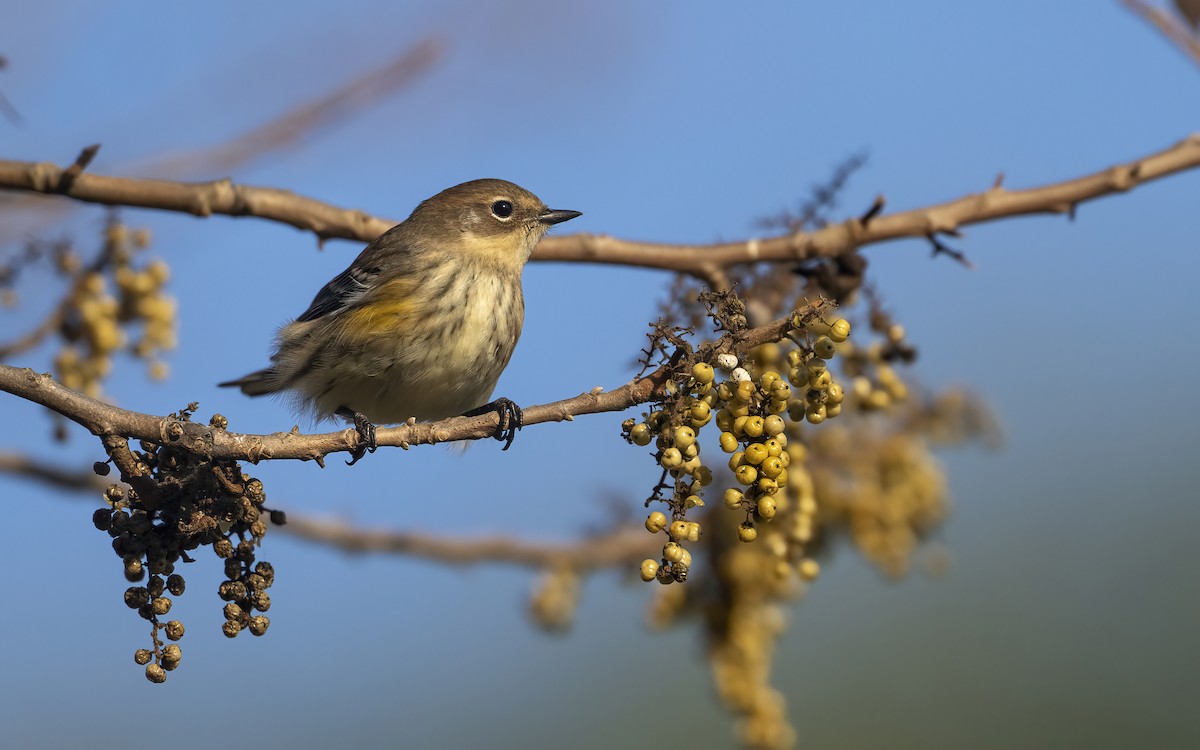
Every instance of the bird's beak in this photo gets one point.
(557, 216)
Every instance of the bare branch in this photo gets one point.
(1170, 25)
(330, 108)
(328, 221)
(605, 550)
(614, 548)
(50, 473)
(108, 421)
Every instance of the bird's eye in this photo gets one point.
(502, 209)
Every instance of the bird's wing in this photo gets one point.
(343, 291)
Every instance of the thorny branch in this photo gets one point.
(329, 221)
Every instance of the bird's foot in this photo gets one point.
(511, 419)
(366, 434)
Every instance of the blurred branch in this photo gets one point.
(610, 549)
(326, 220)
(6, 107)
(108, 421)
(617, 547)
(286, 130)
(280, 133)
(49, 473)
(1170, 25)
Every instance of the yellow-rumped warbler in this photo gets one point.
(423, 321)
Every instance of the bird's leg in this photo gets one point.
(511, 419)
(365, 430)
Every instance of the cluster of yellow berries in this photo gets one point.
(874, 382)
(752, 408)
(95, 322)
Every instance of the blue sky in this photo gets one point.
(1072, 595)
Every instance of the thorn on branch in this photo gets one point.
(67, 180)
(875, 209)
(941, 248)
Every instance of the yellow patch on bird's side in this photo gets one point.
(391, 309)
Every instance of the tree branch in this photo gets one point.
(610, 549)
(106, 420)
(328, 221)
(1169, 25)
(617, 547)
(52, 474)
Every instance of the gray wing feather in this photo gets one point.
(350, 286)
(343, 291)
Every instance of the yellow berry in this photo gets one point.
(739, 425)
(733, 498)
(775, 446)
(821, 381)
(693, 501)
(747, 533)
(755, 453)
(700, 412)
(671, 458)
(825, 348)
(834, 393)
(738, 408)
(724, 420)
(774, 424)
(729, 443)
(684, 437)
(656, 522)
(768, 379)
(678, 530)
(649, 570)
(736, 460)
(832, 410)
(840, 330)
(702, 372)
(766, 508)
(745, 474)
(745, 390)
(693, 532)
(725, 391)
(814, 416)
(753, 427)
(809, 569)
(771, 467)
(703, 476)
(686, 560)
(768, 486)
(640, 434)
(796, 410)
(672, 552)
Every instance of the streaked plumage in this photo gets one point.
(423, 322)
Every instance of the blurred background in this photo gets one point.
(1069, 612)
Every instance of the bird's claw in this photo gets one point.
(511, 417)
(366, 435)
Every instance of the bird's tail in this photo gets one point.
(258, 383)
